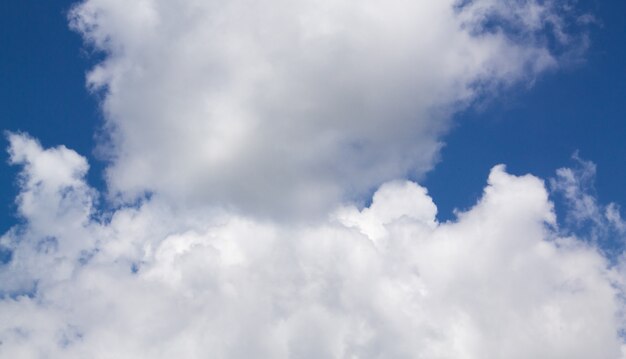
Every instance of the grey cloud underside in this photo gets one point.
(387, 281)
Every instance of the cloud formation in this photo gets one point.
(279, 106)
(388, 280)
(240, 116)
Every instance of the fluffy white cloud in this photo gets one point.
(388, 281)
(237, 114)
(283, 106)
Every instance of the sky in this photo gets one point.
(312, 179)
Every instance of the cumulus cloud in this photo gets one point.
(239, 117)
(157, 280)
(279, 107)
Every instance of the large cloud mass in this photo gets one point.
(257, 127)
(284, 106)
(387, 281)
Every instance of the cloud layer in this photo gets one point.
(386, 281)
(280, 107)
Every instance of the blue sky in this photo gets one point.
(284, 146)
(537, 130)
(532, 130)
(43, 68)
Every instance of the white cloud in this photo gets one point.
(160, 281)
(602, 223)
(239, 114)
(280, 107)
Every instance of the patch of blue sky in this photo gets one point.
(580, 107)
(42, 88)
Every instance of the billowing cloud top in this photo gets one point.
(238, 116)
(276, 107)
(385, 281)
